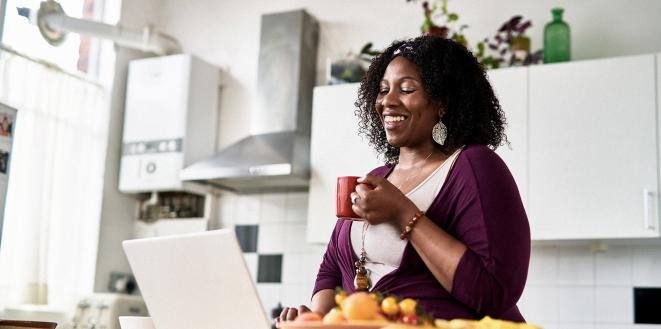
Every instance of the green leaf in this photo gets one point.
(460, 38)
(480, 50)
(452, 17)
(366, 48)
(424, 27)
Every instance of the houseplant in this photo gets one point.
(351, 68)
(508, 46)
(439, 21)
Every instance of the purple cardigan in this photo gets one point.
(479, 204)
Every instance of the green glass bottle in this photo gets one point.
(557, 45)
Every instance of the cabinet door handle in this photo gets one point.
(648, 205)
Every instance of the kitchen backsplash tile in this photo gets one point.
(271, 238)
(543, 266)
(575, 266)
(300, 268)
(274, 208)
(614, 267)
(614, 304)
(646, 305)
(647, 266)
(248, 207)
(297, 207)
(575, 304)
(269, 269)
(247, 236)
(296, 294)
(295, 239)
(539, 303)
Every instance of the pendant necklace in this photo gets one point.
(361, 281)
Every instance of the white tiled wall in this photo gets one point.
(574, 287)
(569, 287)
(282, 229)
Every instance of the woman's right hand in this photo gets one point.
(290, 314)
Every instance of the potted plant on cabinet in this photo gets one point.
(509, 45)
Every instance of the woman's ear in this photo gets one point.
(441, 110)
(442, 107)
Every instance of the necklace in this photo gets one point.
(362, 280)
(416, 175)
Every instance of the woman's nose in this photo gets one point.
(390, 99)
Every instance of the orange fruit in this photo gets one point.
(389, 306)
(309, 317)
(359, 306)
(379, 318)
(407, 306)
(335, 316)
(339, 297)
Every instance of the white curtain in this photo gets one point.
(53, 205)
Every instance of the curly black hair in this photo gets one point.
(451, 76)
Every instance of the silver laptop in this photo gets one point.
(197, 280)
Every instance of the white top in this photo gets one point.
(383, 246)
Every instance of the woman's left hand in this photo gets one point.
(379, 201)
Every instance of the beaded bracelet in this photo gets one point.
(409, 227)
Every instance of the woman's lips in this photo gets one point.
(394, 122)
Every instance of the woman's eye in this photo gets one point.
(408, 90)
(383, 91)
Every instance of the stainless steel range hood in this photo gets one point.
(277, 154)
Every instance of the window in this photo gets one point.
(76, 54)
(40, 261)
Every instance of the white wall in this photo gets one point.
(569, 287)
(118, 210)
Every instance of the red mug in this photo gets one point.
(345, 186)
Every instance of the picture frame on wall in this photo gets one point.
(7, 124)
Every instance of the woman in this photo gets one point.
(443, 219)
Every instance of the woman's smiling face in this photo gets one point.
(407, 112)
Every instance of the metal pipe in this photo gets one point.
(147, 40)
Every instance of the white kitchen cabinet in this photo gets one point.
(335, 150)
(593, 149)
(511, 88)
